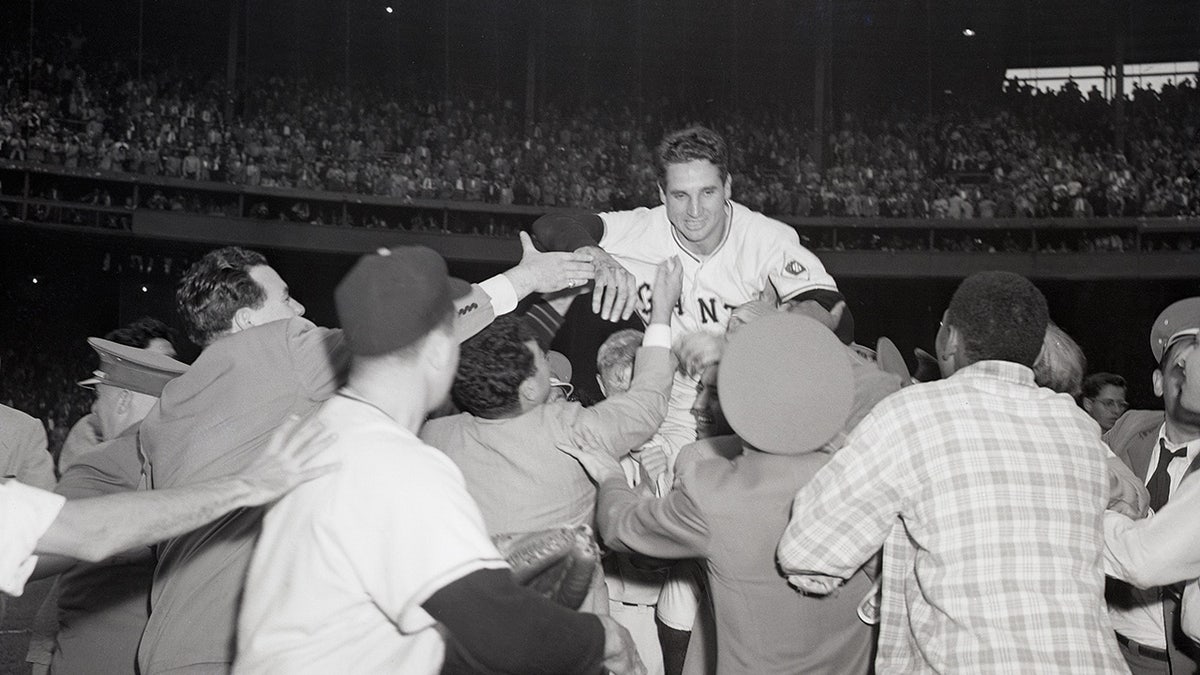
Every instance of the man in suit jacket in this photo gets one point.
(787, 389)
(1147, 620)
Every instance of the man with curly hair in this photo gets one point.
(987, 494)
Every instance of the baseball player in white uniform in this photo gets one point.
(730, 255)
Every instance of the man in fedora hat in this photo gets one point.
(786, 388)
(377, 567)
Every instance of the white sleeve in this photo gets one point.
(1159, 550)
(625, 231)
(25, 515)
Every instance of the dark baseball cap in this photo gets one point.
(394, 297)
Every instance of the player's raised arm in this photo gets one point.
(614, 296)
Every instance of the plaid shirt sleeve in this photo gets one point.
(844, 514)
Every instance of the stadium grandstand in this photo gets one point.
(909, 143)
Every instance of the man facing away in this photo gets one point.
(987, 494)
(378, 566)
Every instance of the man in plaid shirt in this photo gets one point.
(987, 494)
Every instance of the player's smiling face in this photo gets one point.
(695, 196)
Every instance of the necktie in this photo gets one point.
(1159, 486)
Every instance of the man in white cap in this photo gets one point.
(377, 567)
(787, 389)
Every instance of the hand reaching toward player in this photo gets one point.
(542, 272)
(1127, 494)
(814, 584)
(592, 455)
(668, 286)
(614, 296)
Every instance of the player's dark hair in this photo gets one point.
(491, 367)
(692, 143)
(1092, 384)
(215, 288)
(999, 316)
(139, 333)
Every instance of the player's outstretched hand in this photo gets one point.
(620, 653)
(615, 295)
(291, 458)
(548, 272)
(591, 454)
(668, 285)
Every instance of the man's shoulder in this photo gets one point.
(1133, 425)
(16, 417)
(17, 426)
(760, 224)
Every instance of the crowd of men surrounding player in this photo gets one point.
(771, 496)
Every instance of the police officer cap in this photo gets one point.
(141, 370)
(1180, 320)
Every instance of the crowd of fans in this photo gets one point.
(1029, 154)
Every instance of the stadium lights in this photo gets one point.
(968, 32)
(388, 9)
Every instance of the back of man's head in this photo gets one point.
(1061, 363)
(492, 366)
(999, 316)
(146, 333)
(691, 144)
(614, 360)
(214, 288)
(1096, 382)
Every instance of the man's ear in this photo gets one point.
(662, 196)
(124, 401)
(728, 186)
(242, 319)
(1088, 404)
(1156, 380)
(603, 389)
(526, 389)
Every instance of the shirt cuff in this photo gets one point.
(28, 514)
(657, 335)
(501, 291)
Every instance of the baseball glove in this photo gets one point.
(557, 563)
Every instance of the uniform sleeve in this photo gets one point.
(793, 269)
(1159, 550)
(625, 421)
(672, 527)
(625, 232)
(25, 515)
(844, 514)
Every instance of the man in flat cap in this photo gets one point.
(986, 493)
(261, 362)
(1159, 446)
(786, 388)
(102, 607)
(377, 566)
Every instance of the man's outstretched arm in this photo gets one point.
(615, 295)
(96, 528)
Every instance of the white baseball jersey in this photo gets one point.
(756, 250)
